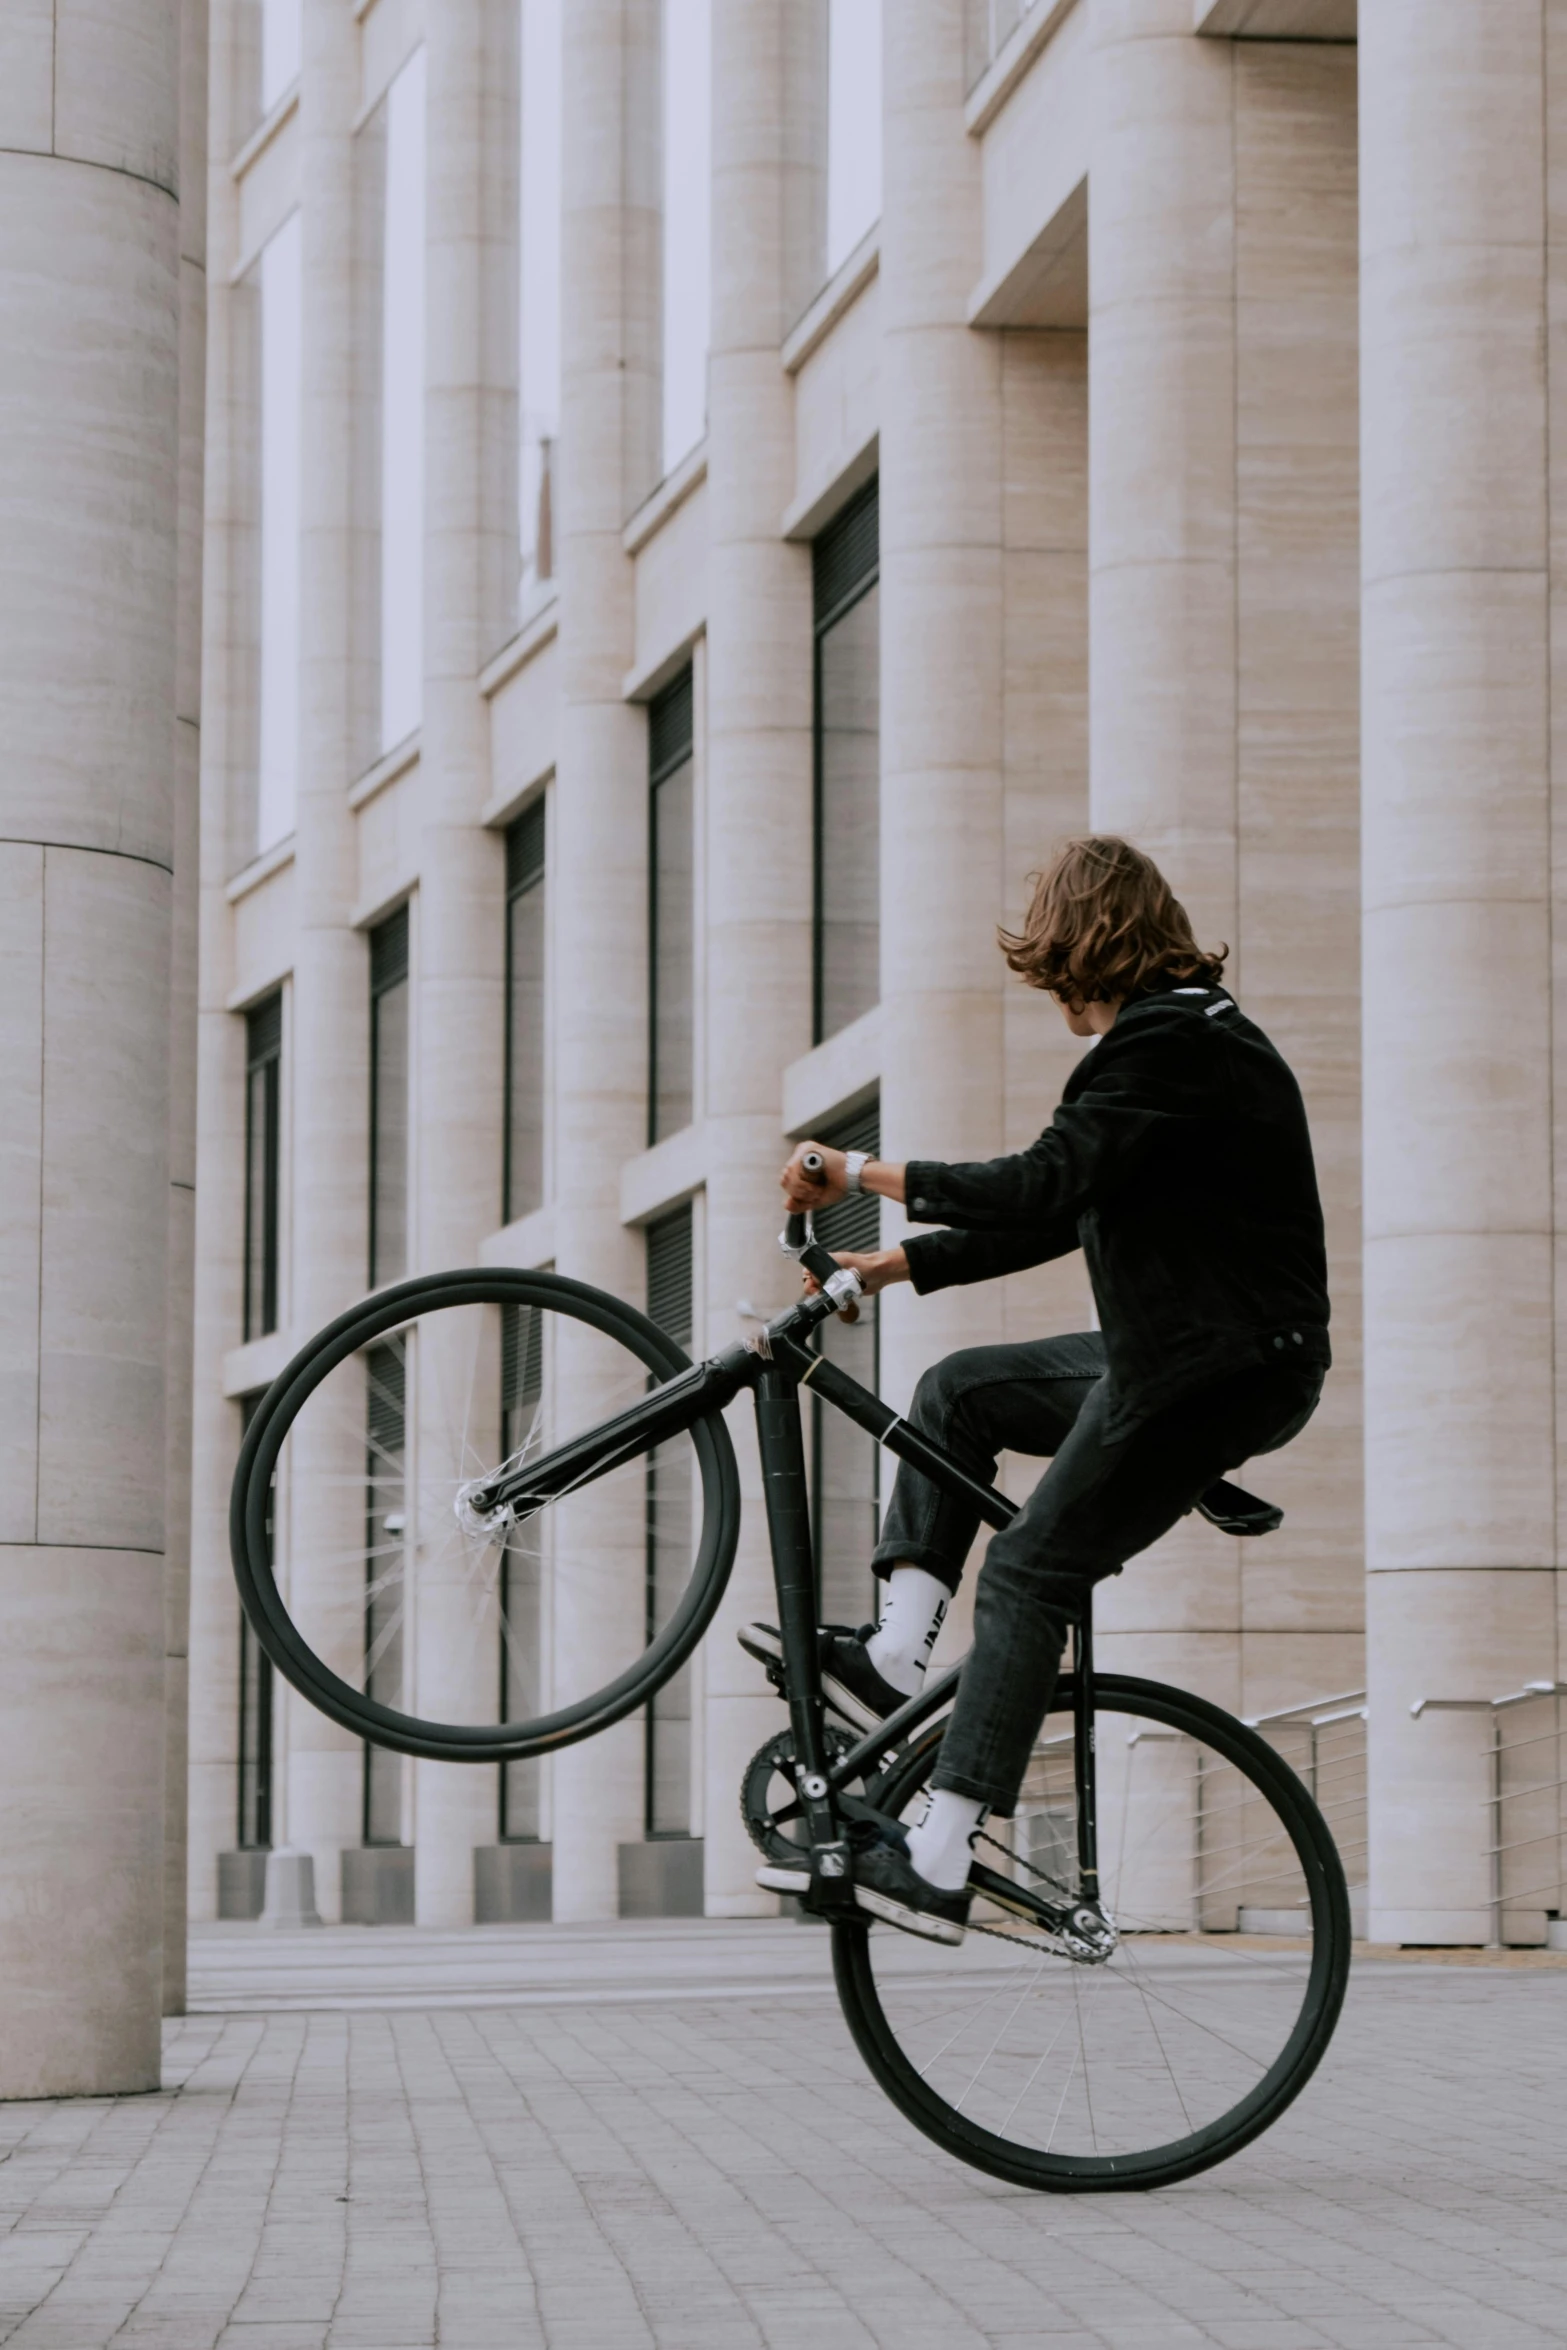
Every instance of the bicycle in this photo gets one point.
(1160, 1938)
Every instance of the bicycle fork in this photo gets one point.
(782, 1448)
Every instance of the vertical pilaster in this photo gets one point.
(182, 988)
(769, 215)
(1161, 440)
(1456, 572)
(470, 419)
(329, 1161)
(226, 741)
(942, 620)
(610, 272)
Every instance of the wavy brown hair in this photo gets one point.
(1104, 924)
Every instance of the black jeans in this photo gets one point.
(1097, 1505)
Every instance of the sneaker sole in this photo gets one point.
(767, 1648)
(778, 1879)
(911, 1921)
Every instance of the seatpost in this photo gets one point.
(1085, 1759)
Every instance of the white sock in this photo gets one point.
(941, 1847)
(911, 1616)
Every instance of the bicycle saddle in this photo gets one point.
(1235, 1511)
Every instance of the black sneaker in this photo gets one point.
(850, 1682)
(887, 1883)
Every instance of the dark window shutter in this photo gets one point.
(525, 849)
(389, 952)
(264, 1031)
(846, 555)
(855, 1223)
(669, 1275)
(670, 727)
(522, 1357)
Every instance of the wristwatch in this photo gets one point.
(854, 1163)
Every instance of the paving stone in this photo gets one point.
(660, 2138)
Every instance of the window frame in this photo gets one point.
(251, 1650)
(525, 873)
(396, 971)
(267, 1063)
(833, 599)
(671, 746)
(677, 1320)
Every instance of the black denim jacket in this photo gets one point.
(1180, 1162)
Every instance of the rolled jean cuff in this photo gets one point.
(1001, 1806)
(888, 1555)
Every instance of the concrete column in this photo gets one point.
(1297, 730)
(89, 384)
(1460, 1400)
(1044, 716)
(609, 460)
(219, 1208)
(942, 621)
(329, 1162)
(1161, 439)
(470, 419)
(769, 215)
(182, 992)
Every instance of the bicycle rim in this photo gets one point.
(421, 1630)
(1208, 2020)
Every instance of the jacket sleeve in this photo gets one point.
(946, 1260)
(1127, 1090)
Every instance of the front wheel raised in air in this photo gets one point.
(1207, 2016)
(427, 1624)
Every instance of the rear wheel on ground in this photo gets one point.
(1208, 2017)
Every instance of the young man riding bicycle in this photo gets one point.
(1179, 1161)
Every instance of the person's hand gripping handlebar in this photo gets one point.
(798, 1239)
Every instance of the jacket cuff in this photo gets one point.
(927, 1260)
(922, 1191)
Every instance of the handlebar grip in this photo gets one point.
(794, 1232)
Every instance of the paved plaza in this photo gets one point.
(608, 2137)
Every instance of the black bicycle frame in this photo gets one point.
(776, 1366)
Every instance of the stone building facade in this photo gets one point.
(1167, 450)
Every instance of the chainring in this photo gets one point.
(769, 1803)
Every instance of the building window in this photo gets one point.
(402, 408)
(254, 1829)
(389, 1099)
(263, 1163)
(385, 1546)
(847, 929)
(522, 1574)
(538, 359)
(845, 1463)
(522, 1177)
(277, 691)
(671, 910)
(670, 1534)
(688, 144)
(853, 125)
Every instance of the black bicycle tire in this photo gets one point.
(1160, 2166)
(366, 1717)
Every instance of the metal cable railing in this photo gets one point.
(1324, 1742)
(1525, 1798)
